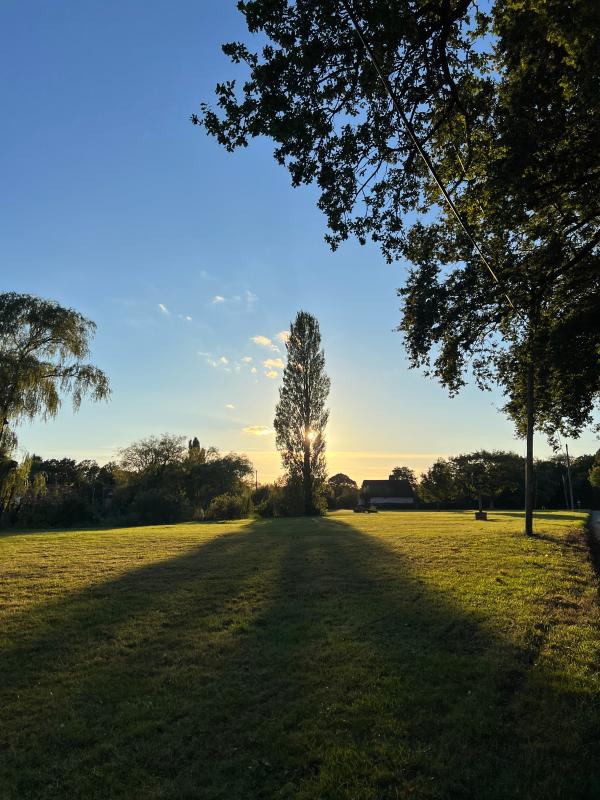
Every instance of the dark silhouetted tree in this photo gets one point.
(404, 474)
(438, 484)
(301, 416)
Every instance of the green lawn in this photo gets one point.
(415, 655)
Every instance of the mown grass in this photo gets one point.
(417, 655)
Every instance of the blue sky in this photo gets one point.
(113, 203)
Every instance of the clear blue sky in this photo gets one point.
(113, 203)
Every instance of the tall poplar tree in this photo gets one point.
(301, 416)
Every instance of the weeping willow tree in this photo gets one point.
(16, 482)
(43, 356)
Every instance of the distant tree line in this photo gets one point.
(159, 479)
(495, 479)
(487, 479)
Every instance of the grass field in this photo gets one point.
(416, 655)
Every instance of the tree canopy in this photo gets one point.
(404, 474)
(153, 454)
(43, 348)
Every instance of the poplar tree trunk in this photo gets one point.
(307, 481)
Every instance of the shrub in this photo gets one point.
(228, 506)
(264, 500)
(156, 506)
(56, 511)
(284, 499)
(348, 498)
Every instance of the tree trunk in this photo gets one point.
(529, 454)
(306, 480)
(572, 504)
(3, 425)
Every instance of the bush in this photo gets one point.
(156, 506)
(264, 501)
(348, 498)
(284, 500)
(56, 511)
(228, 506)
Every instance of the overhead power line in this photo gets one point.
(421, 150)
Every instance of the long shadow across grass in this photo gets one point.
(313, 663)
(564, 516)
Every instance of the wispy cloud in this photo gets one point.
(188, 318)
(273, 363)
(213, 361)
(264, 341)
(251, 299)
(258, 430)
(271, 373)
(163, 309)
(230, 406)
(218, 298)
(283, 336)
(247, 359)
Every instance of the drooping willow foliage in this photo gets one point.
(43, 356)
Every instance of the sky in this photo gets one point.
(190, 260)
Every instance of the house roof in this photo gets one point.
(388, 488)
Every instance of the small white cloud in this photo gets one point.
(202, 353)
(254, 370)
(218, 298)
(264, 341)
(163, 309)
(223, 360)
(273, 363)
(271, 373)
(283, 336)
(230, 406)
(251, 298)
(247, 359)
(188, 318)
(257, 430)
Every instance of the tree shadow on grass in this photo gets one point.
(313, 663)
(564, 516)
